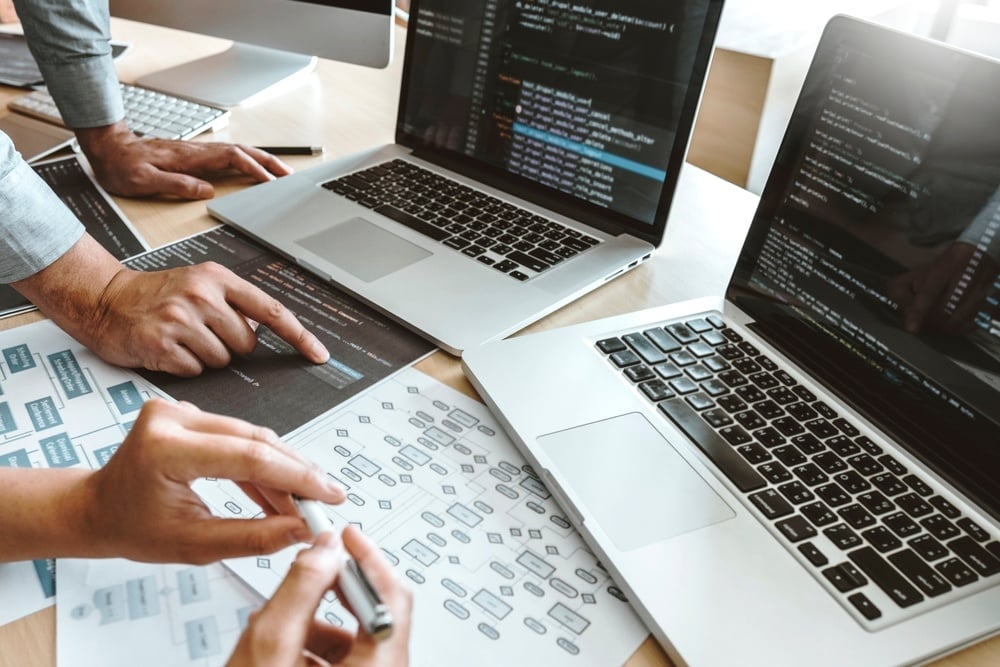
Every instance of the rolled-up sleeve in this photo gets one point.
(70, 42)
(36, 228)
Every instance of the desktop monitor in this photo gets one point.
(273, 41)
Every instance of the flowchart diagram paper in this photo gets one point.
(118, 612)
(496, 569)
(60, 407)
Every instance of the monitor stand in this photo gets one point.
(230, 78)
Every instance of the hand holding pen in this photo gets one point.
(285, 632)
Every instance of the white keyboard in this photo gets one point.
(148, 112)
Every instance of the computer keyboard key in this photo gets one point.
(923, 575)
(818, 514)
(527, 260)
(610, 345)
(645, 349)
(774, 472)
(716, 321)
(734, 467)
(865, 606)
(771, 504)
(813, 554)
(683, 385)
(796, 492)
(731, 403)
(973, 529)
(892, 465)
(888, 484)
(833, 495)
(918, 485)
(928, 547)
(856, 516)
(867, 444)
(886, 577)
(717, 418)
(913, 505)
(796, 528)
(882, 539)
(940, 527)
(842, 536)
(810, 474)
(979, 559)
(662, 340)
(789, 455)
(865, 464)
(830, 462)
(753, 453)
(656, 390)
(875, 502)
(844, 577)
(852, 482)
(945, 507)
(957, 572)
(667, 371)
(624, 358)
(700, 401)
(846, 427)
(769, 437)
(901, 524)
(808, 444)
(682, 333)
(639, 373)
(413, 222)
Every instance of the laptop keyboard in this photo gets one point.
(498, 234)
(877, 534)
(149, 113)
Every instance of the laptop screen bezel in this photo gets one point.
(604, 219)
(848, 377)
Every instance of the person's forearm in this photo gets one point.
(43, 514)
(70, 291)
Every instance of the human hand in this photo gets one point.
(140, 504)
(947, 293)
(285, 632)
(131, 166)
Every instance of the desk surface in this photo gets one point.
(347, 108)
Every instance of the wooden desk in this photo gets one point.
(347, 108)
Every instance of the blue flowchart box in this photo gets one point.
(193, 585)
(69, 374)
(45, 570)
(104, 454)
(143, 598)
(202, 638)
(126, 397)
(44, 413)
(18, 459)
(19, 358)
(7, 423)
(59, 451)
(110, 602)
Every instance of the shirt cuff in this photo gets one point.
(37, 228)
(100, 105)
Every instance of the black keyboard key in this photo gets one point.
(746, 366)
(505, 266)
(833, 495)
(413, 222)
(867, 444)
(842, 536)
(749, 420)
(985, 564)
(802, 411)
(920, 573)
(782, 396)
(715, 364)
(716, 418)
(843, 446)
(973, 529)
(824, 410)
(852, 482)
(610, 345)
(888, 484)
(735, 435)
(699, 325)
(821, 428)
(683, 358)
(656, 390)
(457, 242)
(882, 539)
(918, 485)
(994, 548)
(892, 465)
(774, 472)
(700, 350)
(788, 426)
(750, 394)
(886, 577)
(700, 401)
(796, 528)
(639, 373)
(733, 378)
(914, 505)
(753, 453)
(957, 572)
(734, 467)
(796, 492)
(771, 504)
(844, 577)
(785, 378)
(729, 352)
(767, 364)
(940, 527)
(624, 358)
(945, 507)
(810, 474)
(667, 371)
(524, 259)
(818, 514)
(813, 554)
(732, 403)
(716, 321)
(645, 349)
(808, 444)
(865, 464)
(713, 338)
(699, 373)
(764, 380)
(682, 333)
(830, 462)
(875, 502)
(804, 393)
(928, 548)
(683, 385)
(789, 455)
(856, 516)
(901, 524)
(769, 437)
(865, 606)
(713, 388)
(768, 409)
(846, 427)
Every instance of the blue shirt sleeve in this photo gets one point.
(36, 228)
(70, 42)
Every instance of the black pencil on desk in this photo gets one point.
(292, 150)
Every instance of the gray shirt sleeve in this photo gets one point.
(69, 39)
(36, 228)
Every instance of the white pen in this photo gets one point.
(373, 615)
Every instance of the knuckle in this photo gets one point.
(258, 456)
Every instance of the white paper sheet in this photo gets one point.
(118, 612)
(497, 571)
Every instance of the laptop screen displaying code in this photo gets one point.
(584, 98)
(875, 254)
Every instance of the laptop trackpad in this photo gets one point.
(631, 478)
(362, 249)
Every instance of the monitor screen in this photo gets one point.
(590, 99)
(874, 256)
